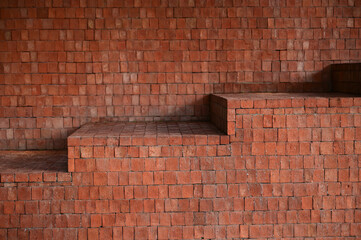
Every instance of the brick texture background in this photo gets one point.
(67, 62)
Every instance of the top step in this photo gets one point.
(245, 100)
(224, 106)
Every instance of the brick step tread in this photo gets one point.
(275, 100)
(146, 134)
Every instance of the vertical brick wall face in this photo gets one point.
(289, 168)
(64, 63)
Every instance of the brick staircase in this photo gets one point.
(267, 166)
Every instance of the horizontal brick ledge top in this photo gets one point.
(276, 100)
(33, 166)
(142, 133)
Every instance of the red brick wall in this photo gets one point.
(67, 62)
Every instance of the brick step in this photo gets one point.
(227, 110)
(107, 146)
(283, 136)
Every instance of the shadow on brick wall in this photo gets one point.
(311, 82)
(346, 77)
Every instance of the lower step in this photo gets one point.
(110, 146)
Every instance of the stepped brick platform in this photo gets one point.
(288, 167)
(106, 146)
(225, 108)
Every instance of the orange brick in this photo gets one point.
(258, 148)
(86, 152)
(326, 147)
